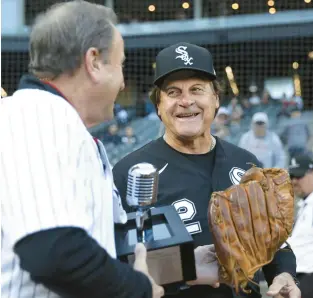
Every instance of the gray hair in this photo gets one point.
(62, 35)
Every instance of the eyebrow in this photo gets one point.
(170, 87)
(175, 87)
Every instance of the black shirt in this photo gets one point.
(187, 181)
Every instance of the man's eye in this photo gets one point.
(197, 89)
(172, 93)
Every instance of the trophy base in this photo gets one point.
(170, 255)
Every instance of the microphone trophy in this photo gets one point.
(170, 248)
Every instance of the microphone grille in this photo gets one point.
(142, 185)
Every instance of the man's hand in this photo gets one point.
(207, 267)
(284, 285)
(141, 265)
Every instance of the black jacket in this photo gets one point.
(186, 183)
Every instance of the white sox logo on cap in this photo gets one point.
(294, 163)
(184, 55)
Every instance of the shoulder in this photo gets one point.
(275, 136)
(42, 99)
(37, 114)
(245, 135)
(237, 154)
(43, 107)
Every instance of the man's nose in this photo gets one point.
(186, 101)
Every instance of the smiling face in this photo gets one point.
(187, 105)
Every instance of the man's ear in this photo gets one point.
(217, 102)
(159, 114)
(217, 105)
(93, 63)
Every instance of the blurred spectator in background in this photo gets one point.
(301, 240)
(246, 107)
(235, 108)
(121, 114)
(219, 126)
(112, 136)
(296, 133)
(265, 100)
(263, 143)
(297, 101)
(236, 113)
(129, 137)
(254, 98)
(235, 124)
(287, 105)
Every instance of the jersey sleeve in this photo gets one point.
(43, 176)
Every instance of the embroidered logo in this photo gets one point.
(160, 171)
(293, 164)
(235, 175)
(184, 55)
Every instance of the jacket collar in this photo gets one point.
(29, 81)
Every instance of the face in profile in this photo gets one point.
(187, 106)
(107, 77)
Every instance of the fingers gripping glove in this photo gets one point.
(250, 222)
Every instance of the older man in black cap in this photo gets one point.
(301, 241)
(192, 162)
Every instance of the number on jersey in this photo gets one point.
(187, 211)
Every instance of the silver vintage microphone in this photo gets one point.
(142, 192)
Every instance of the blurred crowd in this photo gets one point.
(276, 130)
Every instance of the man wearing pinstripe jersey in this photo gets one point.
(59, 202)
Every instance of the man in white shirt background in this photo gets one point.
(264, 143)
(301, 240)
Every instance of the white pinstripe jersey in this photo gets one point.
(51, 175)
(301, 240)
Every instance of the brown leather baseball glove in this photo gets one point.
(250, 222)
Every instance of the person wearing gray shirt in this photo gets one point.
(263, 143)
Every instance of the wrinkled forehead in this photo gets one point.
(185, 75)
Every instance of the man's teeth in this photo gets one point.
(187, 115)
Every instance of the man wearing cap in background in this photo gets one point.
(296, 133)
(264, 143)
(301, 241)
(192, 162)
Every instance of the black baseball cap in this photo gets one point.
(300, 165)
(183, 56)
